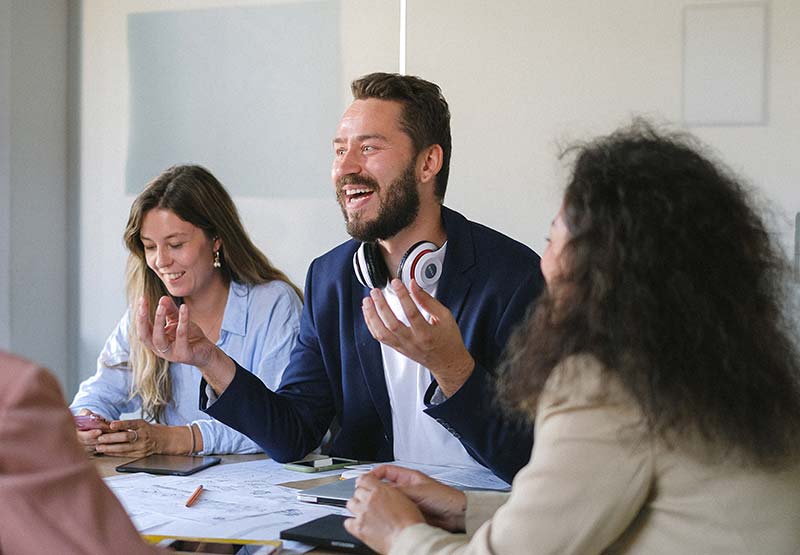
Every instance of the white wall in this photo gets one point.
(526, 77)
(33, 191)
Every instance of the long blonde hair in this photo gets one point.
(195, 196)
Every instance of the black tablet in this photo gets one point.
(175, 465)
(327, 531)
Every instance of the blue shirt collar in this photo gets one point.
(235, 318)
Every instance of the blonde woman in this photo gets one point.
(186, 240)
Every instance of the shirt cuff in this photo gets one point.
(211, 396)
(206, 434)
(207, 396)
(438, 397)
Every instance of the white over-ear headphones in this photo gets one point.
(422, 263)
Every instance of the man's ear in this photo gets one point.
(429, 163)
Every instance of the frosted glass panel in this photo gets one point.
(724, 72)
(253, 93)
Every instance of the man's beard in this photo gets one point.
(397, 210)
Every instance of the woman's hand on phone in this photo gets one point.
(89, 429)
(132, 438)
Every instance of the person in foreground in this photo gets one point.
(53, 500)
(401, 367)
(664, 383)
(186, 242)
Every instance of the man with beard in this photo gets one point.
(397, 368)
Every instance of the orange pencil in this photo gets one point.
(195, 496)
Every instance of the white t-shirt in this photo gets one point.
(417, 437)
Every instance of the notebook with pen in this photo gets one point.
(327, 531)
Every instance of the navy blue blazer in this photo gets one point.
(336, 370)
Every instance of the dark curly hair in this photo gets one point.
(426, 115)
(674, 284)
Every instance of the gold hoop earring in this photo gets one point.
(217, 263)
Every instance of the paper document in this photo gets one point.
(239, 501)
(243, 501)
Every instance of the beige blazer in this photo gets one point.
(593, 485)
(51, 498)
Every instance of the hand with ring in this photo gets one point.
(139, 438)
(131, 438)
(173, 336)
(171, 333)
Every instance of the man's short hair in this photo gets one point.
(425, 117)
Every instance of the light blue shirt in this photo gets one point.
(259, 330)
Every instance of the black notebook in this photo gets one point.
(327, 531)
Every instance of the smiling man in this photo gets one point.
(397, 368)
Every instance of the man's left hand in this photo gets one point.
(436, 344)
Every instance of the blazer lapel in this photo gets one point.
(369, 354)
(456, 280)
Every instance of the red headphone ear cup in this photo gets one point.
(422, 263)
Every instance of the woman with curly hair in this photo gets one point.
(660, 369)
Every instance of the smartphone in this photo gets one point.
(319, 465)
(86, 422)
(251, 547)
(204, 547)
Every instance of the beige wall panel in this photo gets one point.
(525, 77)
